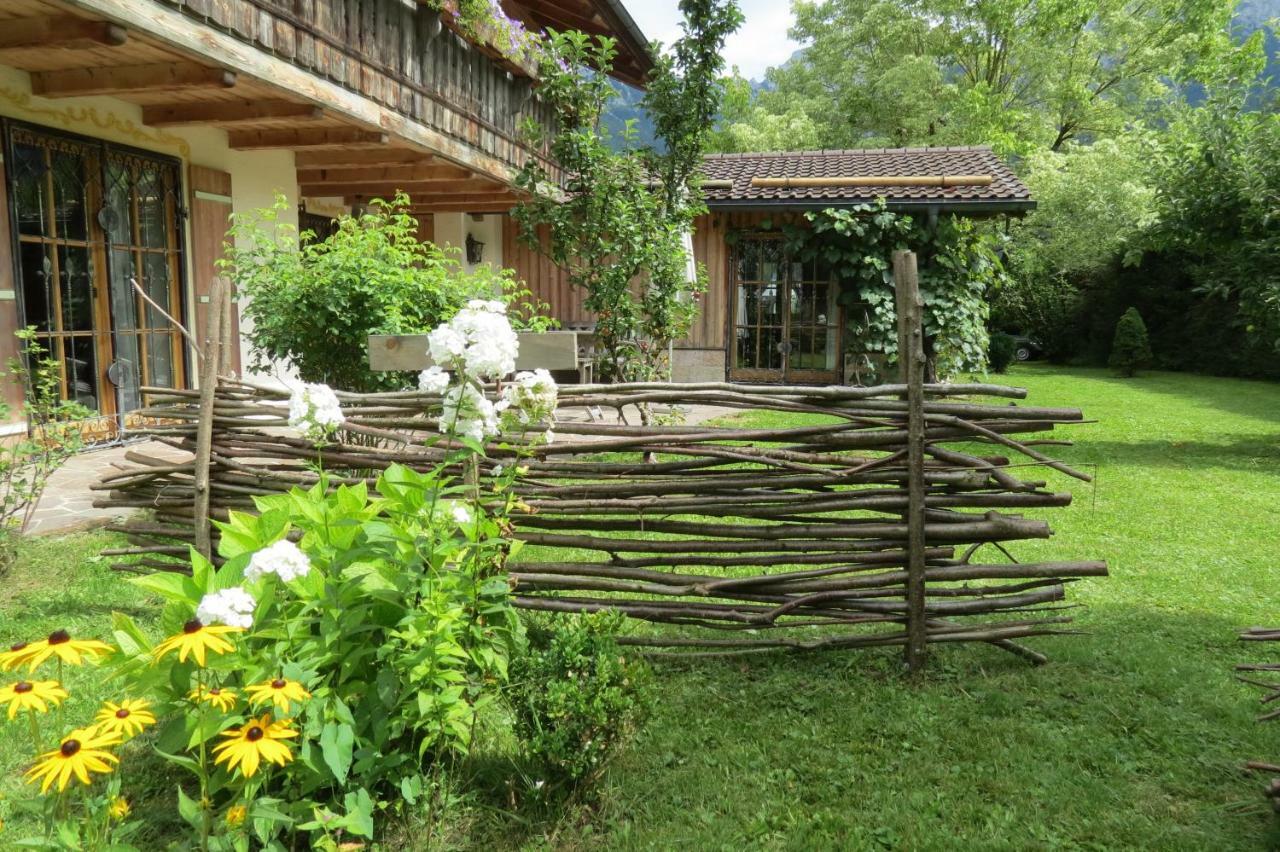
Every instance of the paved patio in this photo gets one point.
(67, 504)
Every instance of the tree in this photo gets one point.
(619, 228)
(1018, 74)
(1130, 350)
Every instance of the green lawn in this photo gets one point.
(1132, 737)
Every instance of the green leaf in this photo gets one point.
(336, 744)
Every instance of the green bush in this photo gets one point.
(576, 695)
(1002, 352)
(1130, 349)
(314, 304)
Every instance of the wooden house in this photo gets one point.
(131, 129)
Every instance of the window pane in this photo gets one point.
(160, 360)
(117, 217)
(75, 286)
(155, 270)
(152, 221)
(81, 371)
(748, 261)
(36, 271)
(70, 205)
(30, 195)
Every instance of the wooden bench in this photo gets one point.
(551, 350)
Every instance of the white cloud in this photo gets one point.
(759, 44)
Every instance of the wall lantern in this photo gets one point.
(475, 250)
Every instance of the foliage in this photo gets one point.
(959, 265)
(487, 22)
(745, 125)
(619, 232)
(1017, 74)
(1130, 350)
(313, 306)
(1218, 202)
(346, 646)
(1002, 352)
(53, 436)
(576, 695)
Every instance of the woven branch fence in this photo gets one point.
(1263, 676)
(885, 519)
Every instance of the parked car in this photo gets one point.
(1026, 348)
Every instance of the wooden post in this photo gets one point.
(226, 332)
(210, 362)
(911, 363)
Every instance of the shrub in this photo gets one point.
(313, 305)
(576, 695)
(1002, 352)
(1130, 350)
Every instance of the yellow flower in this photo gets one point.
(119, 809)
(60, 645)
(79, 754)
(27, 695)
(279, 692)
(127, 718)
(236, 815)
(223, 698)
(195, 639)
(17, 654)
(253, 742)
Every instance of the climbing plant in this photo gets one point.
(959, 263)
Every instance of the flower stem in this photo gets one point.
(205, 805)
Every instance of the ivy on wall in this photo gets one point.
(959, 264)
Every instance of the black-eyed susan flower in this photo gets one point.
(196, 640)
(222, 698)
(255, 741)
(32, 695)
(60, 645)
(80, 753)
(119, 809)
(128, 718)
(18, 654)
(278, 692)
(236, 815)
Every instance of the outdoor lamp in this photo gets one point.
(475, 250)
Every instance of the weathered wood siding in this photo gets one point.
(396, 53)
(550, 284)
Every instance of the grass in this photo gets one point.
(1132, 737)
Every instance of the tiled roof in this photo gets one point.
(1006, 191)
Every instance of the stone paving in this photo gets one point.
(67, 505)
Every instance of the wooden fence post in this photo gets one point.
(210, 363)
(911, 363)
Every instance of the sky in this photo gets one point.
(761, 42)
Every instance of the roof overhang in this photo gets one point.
(595, 17)
(965, 208)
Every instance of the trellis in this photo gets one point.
(880, 516)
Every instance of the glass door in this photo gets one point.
(786, 317)
(91, 219)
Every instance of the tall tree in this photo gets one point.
(619, 229)
(1019, 74)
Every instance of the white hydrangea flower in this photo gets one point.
(232, 607)
(461, 514)
(549, 436)
(479, 340)
(498, 470)
(533, 395)
(434, 380)
(468, 413)
(315, 410)
(283, 558)
(446, 344)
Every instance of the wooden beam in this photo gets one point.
(126, 79)
(184, 33)
(228, 113)
(426, 201)
(259, 140)
(60, 32)
(354, 157)
(384, 174)
(372, 189)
